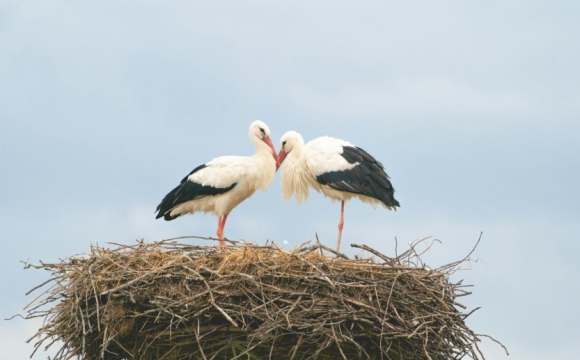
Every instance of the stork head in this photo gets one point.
(289, 141)
(260, 134)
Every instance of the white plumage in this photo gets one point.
(221, 184)
(334, 167)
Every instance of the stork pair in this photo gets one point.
(334, 167)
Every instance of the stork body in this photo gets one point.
(336, 168)
(221, 184)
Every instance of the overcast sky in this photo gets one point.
(473, 108)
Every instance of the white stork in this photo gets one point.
(220, 185)
(336, 168)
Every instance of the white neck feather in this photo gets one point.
(295, 176)
(265, 164)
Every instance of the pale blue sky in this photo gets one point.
(473, 108)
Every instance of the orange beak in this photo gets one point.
(268, 142)
(281, 156)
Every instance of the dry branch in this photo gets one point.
(167, 300)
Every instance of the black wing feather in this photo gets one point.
(187, 191)
(368, 178)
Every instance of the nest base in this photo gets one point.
(167, 300)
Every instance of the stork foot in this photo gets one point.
(340, 225)
(220, 229)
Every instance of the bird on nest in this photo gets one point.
(221, 184)
(336, 168)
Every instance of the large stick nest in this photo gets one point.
(168, 300)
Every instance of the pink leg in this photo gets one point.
(340, 225)
(220, 230)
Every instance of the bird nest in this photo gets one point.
(168, 300)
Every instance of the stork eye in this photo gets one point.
(262, 131)
(283, 143)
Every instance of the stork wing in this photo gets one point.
(324, 155)
(345, 167)
(213, 178)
